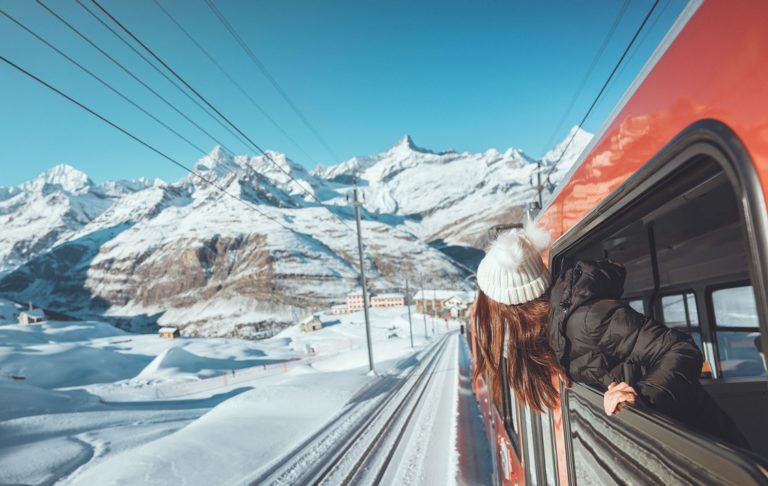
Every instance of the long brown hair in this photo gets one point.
(530, 360)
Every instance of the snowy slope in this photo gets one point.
(97, 405)
(149, 253)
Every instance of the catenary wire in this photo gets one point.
(588, 74)
(100, 80)
(602, 90)
(260, 65)
(142, 142)
(167, 78)
(131, 74)
(212, 107)
(641, 40)
(232, 80)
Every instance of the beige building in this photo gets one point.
(339, 309)
(387, 300)
(450, 302)
(355, 301)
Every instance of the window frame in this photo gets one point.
(710, 289)
(508, 404)
(671, 292)
(704, 328)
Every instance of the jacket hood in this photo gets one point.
(584, 282)
(588, 280)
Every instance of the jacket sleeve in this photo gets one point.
(669, 359)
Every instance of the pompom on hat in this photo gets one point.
(512, 271)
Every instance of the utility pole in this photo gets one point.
(408, 303)
(356, 205)
(434, 312)
(424, 307)
(539, 187)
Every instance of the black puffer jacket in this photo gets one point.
(600, 340)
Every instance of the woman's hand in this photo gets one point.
(617, 397)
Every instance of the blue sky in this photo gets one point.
(453, 74)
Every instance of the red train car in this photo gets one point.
(674, 188)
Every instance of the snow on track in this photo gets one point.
(427, 453)
(401, 429)
(337, 442)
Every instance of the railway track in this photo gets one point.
(359, 444)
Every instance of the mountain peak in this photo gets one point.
(66, 176)
(406, 144)
(217, 163)
(569, 149)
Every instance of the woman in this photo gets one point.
(581, 330)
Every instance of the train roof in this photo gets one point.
(709, 67)
(666, 42)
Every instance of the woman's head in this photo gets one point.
(512, 271)
(512, 302)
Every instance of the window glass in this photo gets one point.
(735, 307)
(637, 304)
(513, 409)
(680, 310)
(530, 452)
(739, 355)
(549, 449)
(737, 349)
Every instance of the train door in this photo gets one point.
(690, 229)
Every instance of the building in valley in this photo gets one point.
(311, 323)
(32, 316)
(169, 332)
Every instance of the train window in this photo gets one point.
(513, 414)
(735, 307)
(529, 452)
(679, 311)
(547, 438)
(508, 404)
(736, 329)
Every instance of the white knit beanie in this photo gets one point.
(512, 271)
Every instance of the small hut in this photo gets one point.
(311, 323)
(32, 316)
(169, 332)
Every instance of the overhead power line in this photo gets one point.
(605, 85)
(232, 80)
(588, 74)
(216, 110)
(171, 81)
(642, 39)
(260, 65)
(142, 142)
(129, 72)
(100, 80)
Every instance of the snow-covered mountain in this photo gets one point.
(149, 252)
(37, 214)
(452, 198)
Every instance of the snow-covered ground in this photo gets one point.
(86, 403)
